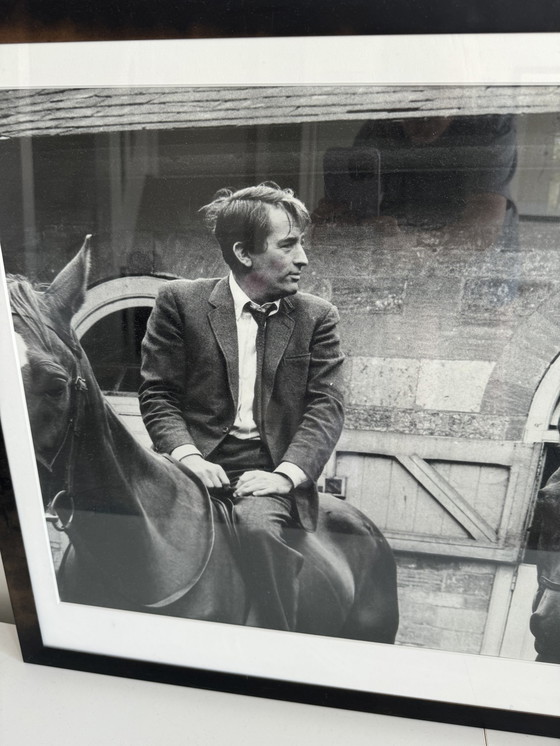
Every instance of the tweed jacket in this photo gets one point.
(190, 378)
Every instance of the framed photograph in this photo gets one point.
(408, 190)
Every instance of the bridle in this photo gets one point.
(73, 431)
(69, 443)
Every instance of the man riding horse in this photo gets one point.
(242, 383)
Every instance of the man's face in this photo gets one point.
(276, 271)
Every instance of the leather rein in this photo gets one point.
(78, 397)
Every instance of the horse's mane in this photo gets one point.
(28, 305)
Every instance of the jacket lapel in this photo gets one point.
(222, 320)
(280, 327)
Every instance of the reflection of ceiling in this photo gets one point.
(26, 112)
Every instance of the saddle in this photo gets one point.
(224, 512)
(322, 566)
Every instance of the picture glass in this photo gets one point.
(434, 231)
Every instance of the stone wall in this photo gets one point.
(429, 333)
(443, 603)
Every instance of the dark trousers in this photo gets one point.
(269, 565)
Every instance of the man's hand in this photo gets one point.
(262, 483)
(212, 475)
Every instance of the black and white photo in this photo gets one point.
(290, 356)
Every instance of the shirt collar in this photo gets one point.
(240, 298)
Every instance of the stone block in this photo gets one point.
(368, 295)
(508, 400)
(498, 297)
(424, 422)
(452, 385)
(476, 426)
(418, 636)
(368, 418)
(531, 351)
(540, 259)
(459, 641)
(516, 428)
(427, 584)
(422, 331)
(539, 242)
(488, 296)
(375, 335)
(419, 614)
(470, 583)
(523, 363)
(445, 600)
(422, 574)
(383, 382)
(461, 620)
(488, 264)
(466, 338)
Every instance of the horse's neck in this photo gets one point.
(112, 468)
(143, 523)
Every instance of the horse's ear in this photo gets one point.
(67, 291)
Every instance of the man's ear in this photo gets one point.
(242, 255)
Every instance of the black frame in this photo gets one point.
(11, 541)
(33, 21)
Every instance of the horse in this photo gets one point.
(143, 532)
(545, 619)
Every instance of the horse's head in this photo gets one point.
(48, 350)
(545, 620)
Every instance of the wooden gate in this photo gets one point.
(460, 508)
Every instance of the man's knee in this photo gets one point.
(263, 516)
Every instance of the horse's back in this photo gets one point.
(347, 585)
(348, 580)
(219, 595)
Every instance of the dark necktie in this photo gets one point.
(260, 314)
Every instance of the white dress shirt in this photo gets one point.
(244, 426)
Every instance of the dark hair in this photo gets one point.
(244, 216)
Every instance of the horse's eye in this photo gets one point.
(56, 389)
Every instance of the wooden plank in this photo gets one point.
(518, 642)
(490, 494)
(522, 492)
(443, 524)
(483, 486)
(498, 610)
(448, 497)
(443, 547)
(377, 478)
(402, 500)
(449, 449)
(351, 467)
(429, 517)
